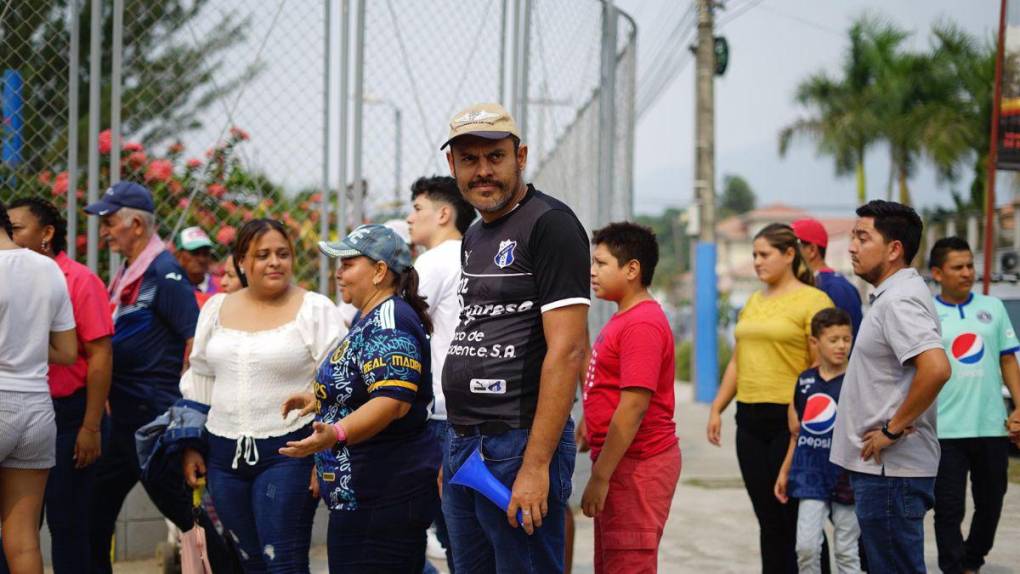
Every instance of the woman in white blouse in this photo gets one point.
(253, 349)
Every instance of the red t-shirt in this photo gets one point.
(92, 321)
(634, 349)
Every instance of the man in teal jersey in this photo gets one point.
(972, 422)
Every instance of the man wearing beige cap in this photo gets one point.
(516, 354)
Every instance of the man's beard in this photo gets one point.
(874, 274)
(507, 196)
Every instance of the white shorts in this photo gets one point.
(28, 430)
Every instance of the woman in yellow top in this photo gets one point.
(772, 350)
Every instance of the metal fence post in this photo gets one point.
(607, 115)
(341, 168)
(72, 133)
(116, 65)
(324, 198)
(95, 71)
(522, 118)
(359, 105)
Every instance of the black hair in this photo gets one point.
(250, 232)
(895, 222)
(406, 285)
(781, 237)
(629, 241)
(941, 250)
(5, 221)
(444, 189)
(829, 317)
(47, 214)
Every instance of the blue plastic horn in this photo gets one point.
(474, 474)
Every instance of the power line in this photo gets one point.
(802, 20)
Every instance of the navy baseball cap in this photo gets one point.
(122, 194)
(377, 242)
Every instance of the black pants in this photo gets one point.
(763, 436)
(987, 461)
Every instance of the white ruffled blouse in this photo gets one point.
(245, 376)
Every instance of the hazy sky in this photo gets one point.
(772, 47)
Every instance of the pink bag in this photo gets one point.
(194, 552)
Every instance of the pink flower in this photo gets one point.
(131, 147)
(226, 235)
(216, 190)
(247, 215)
(239, 134)
(45, 177)
(82, 242)
(229, 207)
(105, 141)
(175, 148)
(194, 163)
(159, 170)
(183, 203)
(315, 197)
(175, 187)
(60, 184)
(137, 159)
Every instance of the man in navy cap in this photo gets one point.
(154, 313)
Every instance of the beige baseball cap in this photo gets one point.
(489, 121)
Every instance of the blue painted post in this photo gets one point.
(13, 121)
(706, 343)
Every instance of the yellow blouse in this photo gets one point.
(772, 343)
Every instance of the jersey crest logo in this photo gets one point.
(505, 256)
(984, 316)
(968, 348)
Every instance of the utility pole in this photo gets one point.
(706, 353)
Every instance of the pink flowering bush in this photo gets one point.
(218, 193)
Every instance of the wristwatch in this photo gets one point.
(889, 434)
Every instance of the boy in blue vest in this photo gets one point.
(822, 488)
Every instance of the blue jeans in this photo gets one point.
(386, 540)
(482, 538)
(891, 513)
(439, 430)
(265, 505)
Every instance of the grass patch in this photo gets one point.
(722, 483)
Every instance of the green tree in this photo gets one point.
(737, 196)
(843, 121)
(169, 76)
(954, 133)
(674, 250)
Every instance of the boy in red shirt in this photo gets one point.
(628, 406)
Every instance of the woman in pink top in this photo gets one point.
(78, 390)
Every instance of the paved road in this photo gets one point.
(711, 526)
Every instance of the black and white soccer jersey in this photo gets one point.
(532, 260)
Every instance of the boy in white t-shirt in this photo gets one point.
(439, 217)
(36, 328)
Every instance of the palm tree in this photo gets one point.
(845, 122)
(954, 133)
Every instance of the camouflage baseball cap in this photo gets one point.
(377, 242)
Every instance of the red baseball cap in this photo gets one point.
(811, 231)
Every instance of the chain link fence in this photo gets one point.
(228, 110)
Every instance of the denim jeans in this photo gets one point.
(264, 504)
(439, 430)
(891, 513)
(386, 540)
(482, 538)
